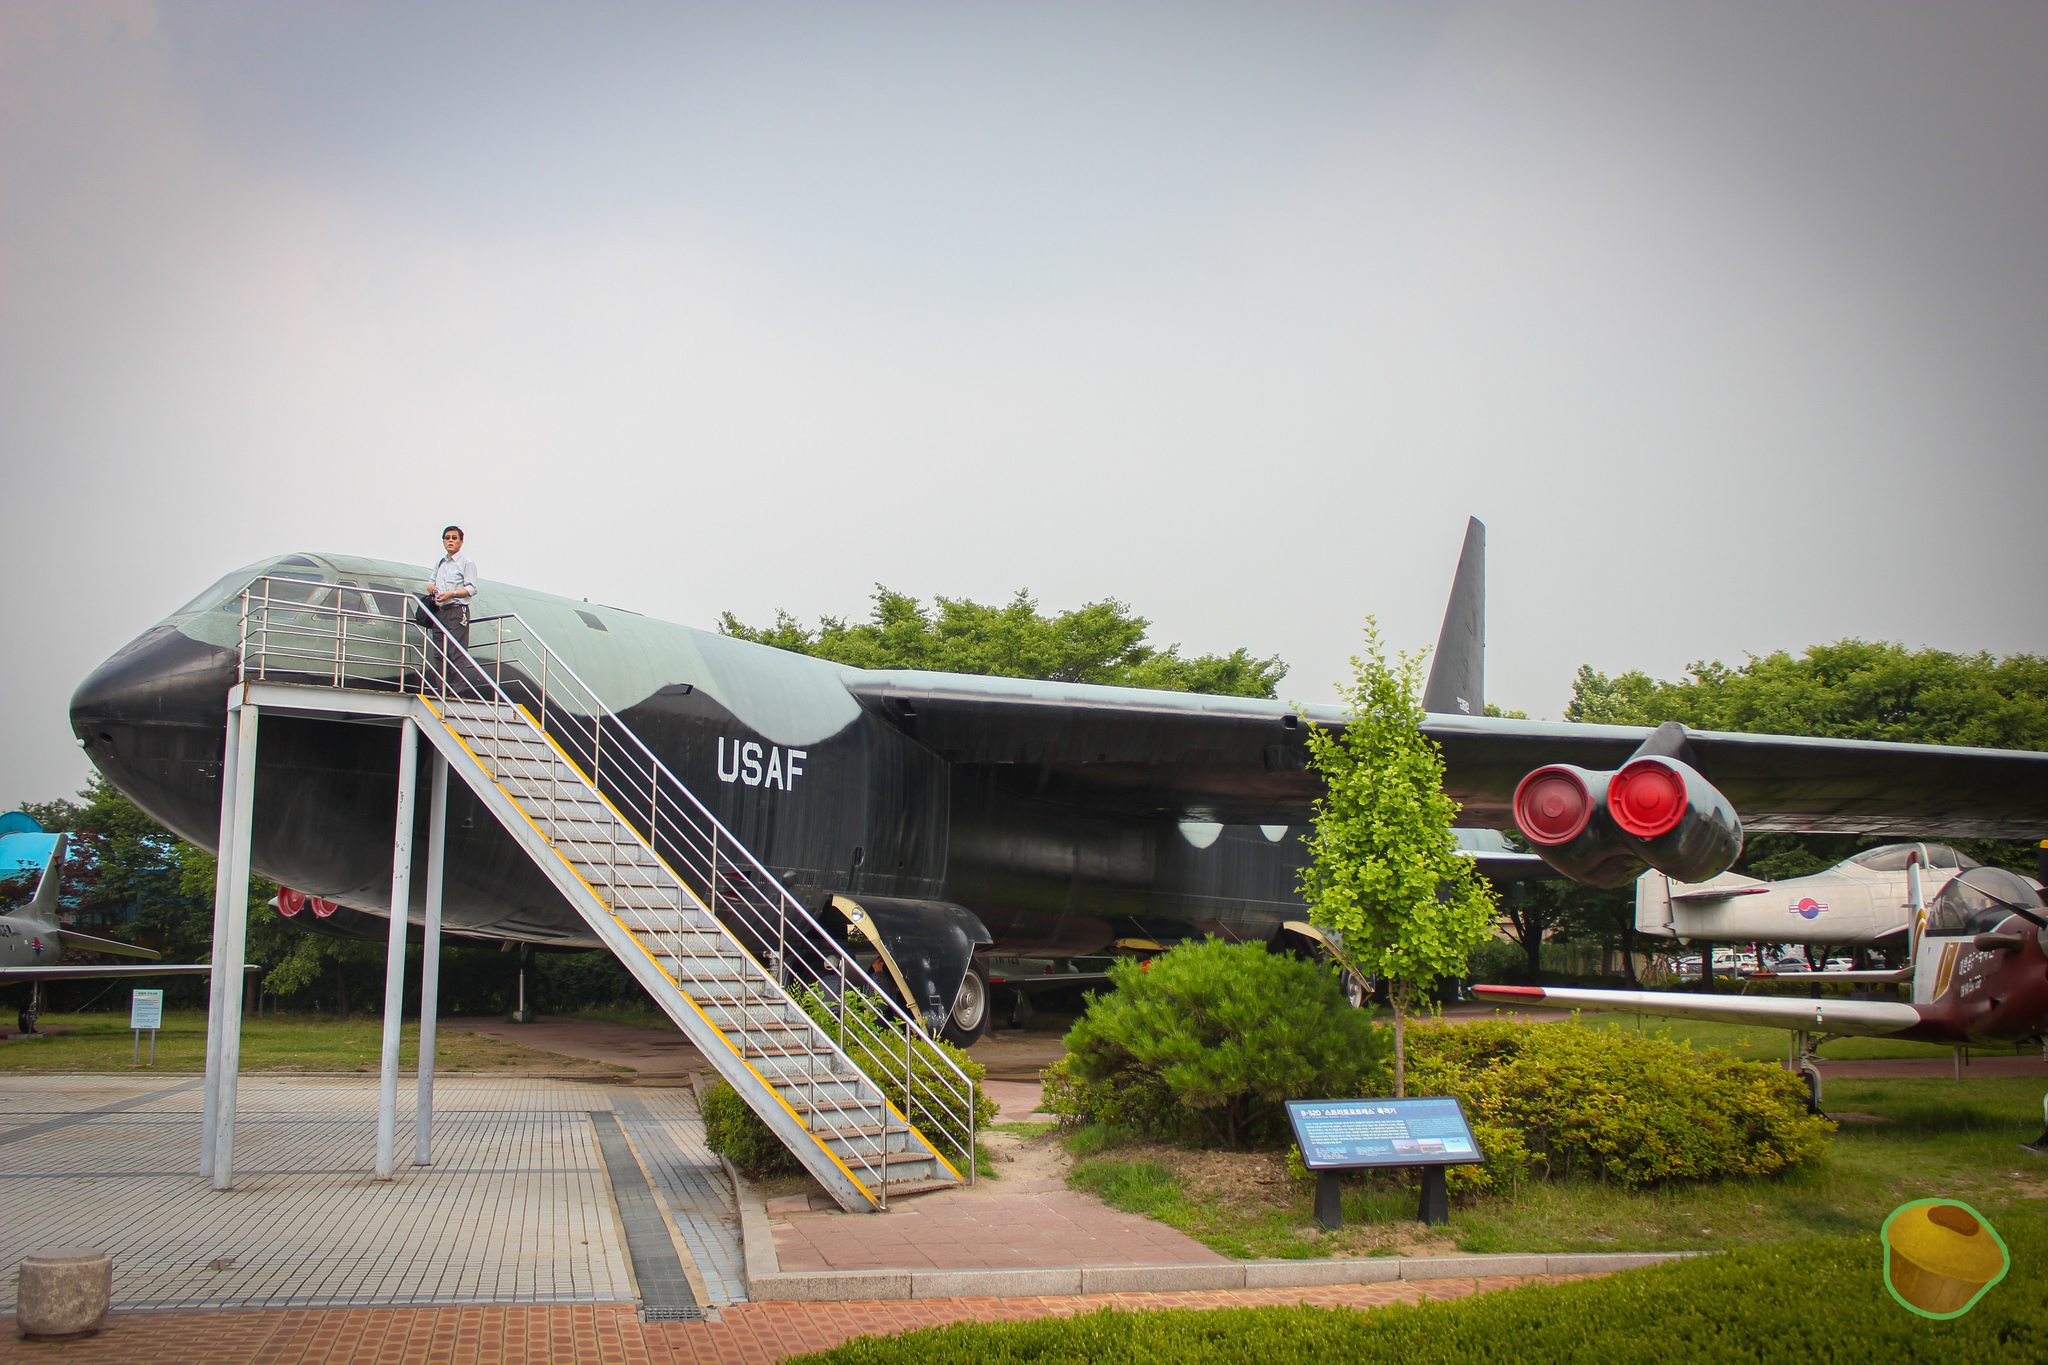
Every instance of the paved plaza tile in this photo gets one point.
(515, 1209)
(612, 1334)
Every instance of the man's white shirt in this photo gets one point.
(455, 571)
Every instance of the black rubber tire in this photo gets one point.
(1355, 992)
(974, 1003)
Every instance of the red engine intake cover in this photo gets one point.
(1647, 798)
(1552, 805)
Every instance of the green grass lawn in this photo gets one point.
(1940, 1138)
(1755, 1043)
(275, 1042)
(1782, 1304)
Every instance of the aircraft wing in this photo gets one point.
(84, 972)
(1851, 1018)
(1241, 760)
(93, 943)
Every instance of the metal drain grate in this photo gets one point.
(672, 1315)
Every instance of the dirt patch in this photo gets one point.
(1254, 1186)
(1018, 1056)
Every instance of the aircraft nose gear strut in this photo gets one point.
(1806, 1061)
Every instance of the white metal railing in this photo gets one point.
(336, 635)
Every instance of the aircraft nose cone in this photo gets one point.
(153, 719)
(162, 677)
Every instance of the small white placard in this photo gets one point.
(145, 1009)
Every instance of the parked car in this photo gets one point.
(1841, 964)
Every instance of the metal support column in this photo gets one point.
(430, 962)
(210, 1105)
(1434, 1209)
(228, 979)
(394, 951)
(1329, 1201)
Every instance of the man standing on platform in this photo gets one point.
(454, 586)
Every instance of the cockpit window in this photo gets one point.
(1885, 857)
(1894, 857)
(1978, 900)
(300, 589)
(226, 589)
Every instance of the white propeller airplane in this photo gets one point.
(1977, 974)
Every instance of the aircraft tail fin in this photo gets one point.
(1457, 671)
(43, 905)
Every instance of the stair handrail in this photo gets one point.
(436, 664)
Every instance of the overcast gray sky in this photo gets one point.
(1729, 320)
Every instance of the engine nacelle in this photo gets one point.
(1600, 828)
(1562, 812)
(1685, 828)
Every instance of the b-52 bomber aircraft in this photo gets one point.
(966, 816)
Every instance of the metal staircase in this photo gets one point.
(839, 1069)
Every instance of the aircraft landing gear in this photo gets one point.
(32, 1011)
(1355, 993)
(2039, 1146)
(967, 1022)
(1806, 1047)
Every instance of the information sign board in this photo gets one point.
(1346, 1134)
(145, 1009)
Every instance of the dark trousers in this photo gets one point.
(454, 618)
(443, 669)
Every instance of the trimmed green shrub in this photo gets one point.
(737, 1131)
(732, 1130)
(1553, 1100)
(1209, 1040)
(1787, 1304)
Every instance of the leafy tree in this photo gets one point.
(1529, 916)
(1605, 915)
(1600, 700)
(1851, 689)
(1101, 642)
(1384, 872)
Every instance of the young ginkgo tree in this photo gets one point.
(1386, 879)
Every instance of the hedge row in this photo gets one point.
(1206, 1042)
(1550, 1100)
(1788, 1304)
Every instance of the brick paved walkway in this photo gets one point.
(1032, 1223)
(611, 1335)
